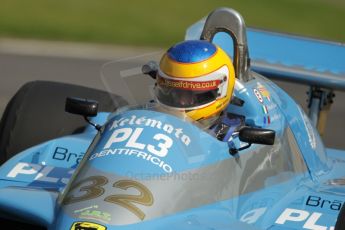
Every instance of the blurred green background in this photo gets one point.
(161, 23)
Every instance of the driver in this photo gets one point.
(197, 78)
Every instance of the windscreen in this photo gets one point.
(125, 77)
(149, 162)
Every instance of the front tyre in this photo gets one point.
(36, 114)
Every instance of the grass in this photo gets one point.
(161, 23)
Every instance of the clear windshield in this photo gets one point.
(125, 78)
(129, 78)
(150, 162)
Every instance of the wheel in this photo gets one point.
(340, 225)
(36, 114)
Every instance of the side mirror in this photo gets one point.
(84, 107)
(150, 68)
(253, 135)
(257, 135)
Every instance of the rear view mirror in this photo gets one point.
(257, 135)
(251, 136)
(84, 107)
(150, 68)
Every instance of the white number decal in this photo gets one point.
(164, 146)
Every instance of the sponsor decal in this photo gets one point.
(268, 117)
(261, 92)
(128, 133)
(264, 109)
(92, 212)
(96, 215)
(176, 133)
(188, 85)
(40, 173)
(86, 208)
(316, 201)
(264, 92)
(308, 220)
(63, 154)
(87, 226)
(267, 120)
(258, 95)
(134, 153)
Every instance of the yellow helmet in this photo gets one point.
(197, 77)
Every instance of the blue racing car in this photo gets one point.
(79, 159)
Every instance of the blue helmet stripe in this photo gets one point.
(192, 51)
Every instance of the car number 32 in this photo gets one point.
(93, 187)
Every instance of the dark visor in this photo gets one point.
(181, 98)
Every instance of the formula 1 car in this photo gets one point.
(134, 166)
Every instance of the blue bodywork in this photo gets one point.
(287, 57)
(150, 170)
(33, 180)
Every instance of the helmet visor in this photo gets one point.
(185, 94)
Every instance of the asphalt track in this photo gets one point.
(16, 69)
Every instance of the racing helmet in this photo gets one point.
(196, 77)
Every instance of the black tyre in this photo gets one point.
(340, 225)
(36, 114)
